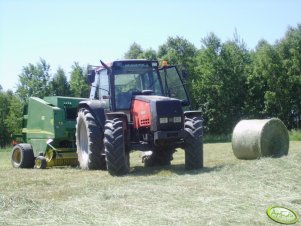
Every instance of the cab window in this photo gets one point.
(172, 83)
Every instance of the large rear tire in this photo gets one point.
(194, 143)
(22, 156)
(117, 157)
(89, 141)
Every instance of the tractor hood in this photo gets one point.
(157, 112)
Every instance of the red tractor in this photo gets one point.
(137, 105)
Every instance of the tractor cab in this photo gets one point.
(117, 84)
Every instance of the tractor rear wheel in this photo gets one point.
(194, 143)
(22, 156)
(117, 156)
(89, 141)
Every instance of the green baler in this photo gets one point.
(48, 135)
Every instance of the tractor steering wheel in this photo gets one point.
(134, 91)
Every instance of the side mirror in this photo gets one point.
(91, 76)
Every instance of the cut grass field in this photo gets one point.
(226, 191)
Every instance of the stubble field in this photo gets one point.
(226, 191)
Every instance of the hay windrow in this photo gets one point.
(255, 138)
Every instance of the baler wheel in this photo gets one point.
(89, 141)
(41, 162)
(22, 156)
(115, 147)
(194, 143)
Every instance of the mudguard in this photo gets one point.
(97, 110)
(190, 114)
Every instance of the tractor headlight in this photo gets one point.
(177, 119)
(163, 120)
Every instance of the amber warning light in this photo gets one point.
(164, 63)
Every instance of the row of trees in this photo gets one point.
(35, 80)
(231, 83)
(227, 81)
(10, 115)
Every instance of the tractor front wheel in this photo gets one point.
(194, 143)
(89, 141)
(117, 156)
(22, 156)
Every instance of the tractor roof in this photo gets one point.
(129, 61)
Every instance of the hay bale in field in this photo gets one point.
(253, 139)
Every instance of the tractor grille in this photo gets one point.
(169, 109)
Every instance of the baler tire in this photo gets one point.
(22, 156)
(89, 141)
(193, 143)
(41, 162)
(117, 157)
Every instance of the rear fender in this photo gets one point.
(191, 114)
(96, 109)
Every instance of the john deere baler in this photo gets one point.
(48, 133)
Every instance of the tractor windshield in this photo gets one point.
(134, 78)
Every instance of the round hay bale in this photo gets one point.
(255, 138)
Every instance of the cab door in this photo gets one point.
(173, 85)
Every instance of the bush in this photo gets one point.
(295, 135)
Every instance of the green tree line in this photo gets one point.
(227, 81)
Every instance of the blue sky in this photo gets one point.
(85, 31)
